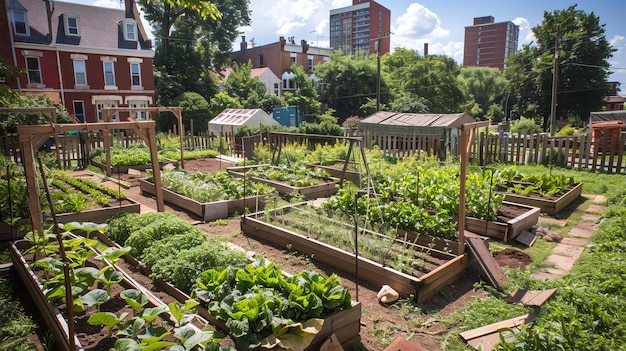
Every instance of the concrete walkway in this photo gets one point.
(565, 253)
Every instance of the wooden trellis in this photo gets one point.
(31, 137)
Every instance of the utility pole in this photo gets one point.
(377, 45)
(555, 80)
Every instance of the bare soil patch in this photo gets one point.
(512, 258)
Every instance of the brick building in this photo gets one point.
(83, 57)
(358, 28)
(279, 56)
(489, 44)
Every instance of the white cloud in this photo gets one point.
(340, 3)
(420, 22)
(526, 34)
(616, 40)
(452, 49)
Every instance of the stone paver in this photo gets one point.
(589, 196)
(600, 199)
(591, 217)
(596, 208)
(583, 230)
(567, 250)
(540, 275)
(575, 241)
(563, 263)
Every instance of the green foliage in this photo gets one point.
(485, 85)
(306, 97)
(526, 126)
(243, 87)
(12, 120)
(196, 108)
(16, 326)
(222, 101)
(257, 301)
(582, 39)
(108, 319)
(296, 175)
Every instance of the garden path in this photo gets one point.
(565, 253)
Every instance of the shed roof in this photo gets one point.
(454, 120)
(235, 118)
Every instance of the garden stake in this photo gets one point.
(13, 234)
(66, 269)
(356, 246)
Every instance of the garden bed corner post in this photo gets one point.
(467, 136)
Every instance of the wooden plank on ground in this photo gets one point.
(486, 261)
(527, 238)
(485, 338)
(401, 344)
(331, 344)
(535, 298)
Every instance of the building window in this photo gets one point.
(72, 24)
(261, 61)
(139, 115)
(80, 72)
(20, 23)
(109, 74)
(135, 74)
(79, 110)
(102, 104)
(276, 89)
(33, 70)
(130, 30)
(293, 60)
(310, 63)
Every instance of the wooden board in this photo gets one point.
(535, 298)
(487, 263)
(402, 344)
(486, 337)
(527, 238)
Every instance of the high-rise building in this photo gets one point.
(363, 27)
(489, 44)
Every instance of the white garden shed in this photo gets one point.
(229, 120)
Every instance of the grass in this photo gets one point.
(588, 311)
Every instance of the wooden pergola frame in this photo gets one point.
(107, 112)
(31, 137)
(50, 113)
(468, 131)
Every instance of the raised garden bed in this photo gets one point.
(513, 219)
(550, 206)
(325, 187)
(438, 268)
(207, 211)
(345, 325)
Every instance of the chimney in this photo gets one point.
(128, 8)
(425, 49)
(244, 44)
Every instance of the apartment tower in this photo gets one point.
(489, 44)
(363, 28)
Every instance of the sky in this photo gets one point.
(440, 23)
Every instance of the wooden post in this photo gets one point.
(467, 135)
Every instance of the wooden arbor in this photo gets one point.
(109, 111)
(31, 137)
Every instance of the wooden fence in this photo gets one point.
(601, 152)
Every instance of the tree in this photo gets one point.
(409, 103)
(583, 66)
(240, 85)
(222, 101)
(195, 108)
(432, 80)
(12, 120)
(485, 85)
(306, 97)
(190, 48)
(347, 81)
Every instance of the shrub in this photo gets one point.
(525, 126)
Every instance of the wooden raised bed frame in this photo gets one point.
(346, 325)
(504, 231)
(325, 189)
(551, 207)
(208, 211)
(422, 288)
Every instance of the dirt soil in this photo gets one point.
(380, 324)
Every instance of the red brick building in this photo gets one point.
(489, 44)
(358, 28)
(83, 57)
(279, 57)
